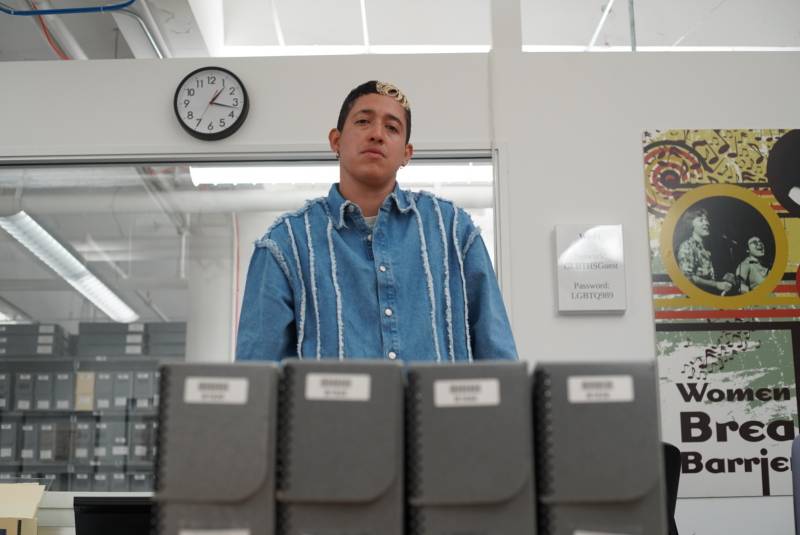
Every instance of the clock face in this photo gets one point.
(211, 103)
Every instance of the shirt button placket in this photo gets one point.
(387, 295)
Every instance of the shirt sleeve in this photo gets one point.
(267, 323)
(490, 331)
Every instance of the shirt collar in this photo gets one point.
(338, 204)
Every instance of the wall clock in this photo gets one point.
(211, 103)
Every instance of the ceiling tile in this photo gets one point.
(715, 23)
(320, 22)
(573, 22)
(249, 23)
(429, 22)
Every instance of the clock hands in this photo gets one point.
(210, 102)
(215, 103)
(215, 96)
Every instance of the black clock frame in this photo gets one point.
(216, 135)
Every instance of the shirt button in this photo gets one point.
(369, 237)
(392, 355)
(382, 269)
(388, 311)
(351, 208)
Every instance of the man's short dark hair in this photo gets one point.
(377, 88)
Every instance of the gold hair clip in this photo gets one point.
(390, 90)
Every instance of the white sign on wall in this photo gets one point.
(591, 268)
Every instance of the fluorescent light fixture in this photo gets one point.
(414, 174)
(37, 240)
(443, 174)
(265, 174)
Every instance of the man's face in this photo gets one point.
(701, 226)
(372, 143)
(755, 247)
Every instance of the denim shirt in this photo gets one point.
(417, 286)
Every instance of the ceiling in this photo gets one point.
(215, 28)
(663, 23)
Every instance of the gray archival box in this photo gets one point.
(216, 449)
(469, 453)
(341, 448)
(599, 465)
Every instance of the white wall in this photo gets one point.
(124, 107)
(569, 129)
(568, 133)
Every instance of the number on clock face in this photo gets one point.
(211, 103)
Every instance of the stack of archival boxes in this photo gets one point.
(86, 422)
(27, 340)
(367, 446)
(166, 339)
(35, 378)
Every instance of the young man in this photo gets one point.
(371, 270)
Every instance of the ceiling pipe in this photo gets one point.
(131, 39)
(147, 300)
(61, 33)
(143, 9)
(161, 198)
(364, 25)
(39, 11)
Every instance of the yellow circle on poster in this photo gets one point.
(699, 297)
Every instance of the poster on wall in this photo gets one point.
(724, 229)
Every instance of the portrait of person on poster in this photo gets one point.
(694, 256)
(751, 272)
